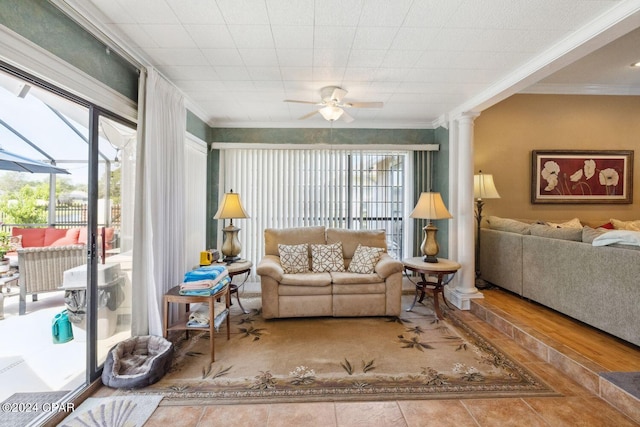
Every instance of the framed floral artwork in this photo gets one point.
(572, 176)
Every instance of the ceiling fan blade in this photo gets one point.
(338, 94)
(306, 116)
(301, 102)
(364, 104)
(346, 117)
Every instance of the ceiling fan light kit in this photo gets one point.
(332, 105)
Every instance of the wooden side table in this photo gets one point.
(173, 296)
(437, 270)
(235, 269)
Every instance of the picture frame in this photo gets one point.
(582, 176)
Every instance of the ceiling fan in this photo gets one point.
(333, 106)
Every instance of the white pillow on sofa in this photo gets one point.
(327, 258)
(365, 259)
(294, 258)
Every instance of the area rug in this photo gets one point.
(20, 409)
(119, 411)
(414, 356)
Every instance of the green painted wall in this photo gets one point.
(323, 136)
(197, 127)
(45, 25)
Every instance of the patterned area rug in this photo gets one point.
(414, 356)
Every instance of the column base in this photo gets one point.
(461, 300)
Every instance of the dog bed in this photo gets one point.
(137, 362)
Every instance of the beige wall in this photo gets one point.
(506, 133)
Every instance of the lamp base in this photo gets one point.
(231, 259)
(430, 259)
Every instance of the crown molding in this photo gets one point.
(582, 89)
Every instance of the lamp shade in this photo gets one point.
(483, 186)
(430, 206)
(231, 207)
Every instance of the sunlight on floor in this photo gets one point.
(30, 361)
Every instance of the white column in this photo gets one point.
(462, 288)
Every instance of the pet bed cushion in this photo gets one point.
(137, 362)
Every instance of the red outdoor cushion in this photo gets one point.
(70, 238)
(53, 234)
(31, 237)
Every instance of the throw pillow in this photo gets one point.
(294, 258)
(574, 223)
(562, 233)
(507, 224)
(365, 259)
(15, 243)
(626, 225)
(327, 258)
(588, 234)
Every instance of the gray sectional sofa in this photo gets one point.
(562, 270)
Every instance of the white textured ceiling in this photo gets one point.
(237, 60)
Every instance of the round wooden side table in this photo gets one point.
(235, 269)
(438, 271)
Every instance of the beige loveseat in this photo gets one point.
(338, 294)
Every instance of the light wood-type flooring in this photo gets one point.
(548, 343)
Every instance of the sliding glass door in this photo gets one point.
(66, 295)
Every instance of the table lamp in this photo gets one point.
(231, 208)
(483, 188)
(430, 206)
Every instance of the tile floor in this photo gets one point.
(577, 407)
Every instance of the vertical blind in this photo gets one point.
(195, 156)
(282, 188)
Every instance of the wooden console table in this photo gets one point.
(173, 296)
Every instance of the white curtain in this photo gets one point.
(196, 198)
(159, 248)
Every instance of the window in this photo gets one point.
(280, 188)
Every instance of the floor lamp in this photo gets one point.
(231, 208)
(430, 206)
(483, 188)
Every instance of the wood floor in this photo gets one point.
(612, 353)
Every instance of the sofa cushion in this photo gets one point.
(306, 279)
(53, 234)
(626, 225)
(31, 237)
(574, 234)
(588, 233)
(291, 236)
(327, 258)
(70, 238)
(509, 225)
(364, 259)
(352, 238)
(294, 258)
(344, 277)
(572, 223)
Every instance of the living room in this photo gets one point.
(494, 131)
